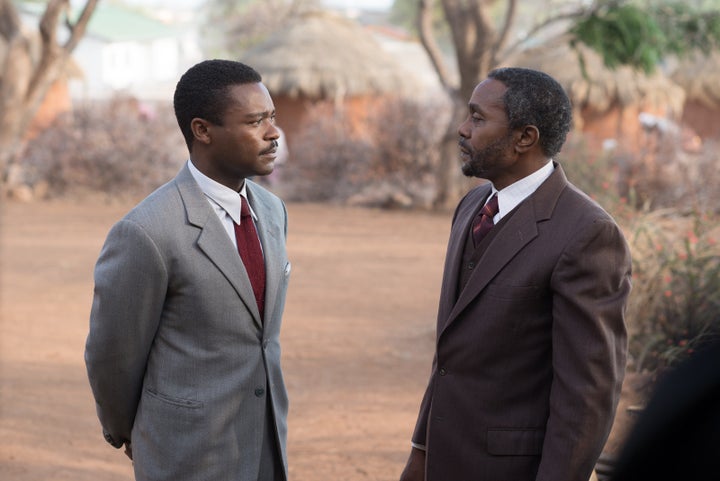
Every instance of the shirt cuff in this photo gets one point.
(421, 447)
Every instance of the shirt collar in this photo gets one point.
(513, 194)
(222, 195)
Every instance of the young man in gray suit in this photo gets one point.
(183, 352)
(531, 340)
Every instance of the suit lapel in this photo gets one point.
(458, 236)
(518, 231)
(213, 240)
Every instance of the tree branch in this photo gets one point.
(9, 20)
(427, 39)
(505, 31)
(53, 56)
(79, 27)
(577, 13)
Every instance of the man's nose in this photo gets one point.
(272, 132)
(463, 130)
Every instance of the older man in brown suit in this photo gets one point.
(531, 339)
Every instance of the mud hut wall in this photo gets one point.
(620, 123)
(702, 119)
(294, 114)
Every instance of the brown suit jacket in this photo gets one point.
(530, 355)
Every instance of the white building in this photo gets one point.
(125, 51)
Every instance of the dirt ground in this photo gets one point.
(357, 340)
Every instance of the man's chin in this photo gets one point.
(266, 169)
(468, 170)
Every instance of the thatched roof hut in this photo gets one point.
(698, 75)
(327, 63)
(321, 55)
(607, 102)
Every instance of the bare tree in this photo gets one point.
(25, 78)
(480, 43)
(622, 32)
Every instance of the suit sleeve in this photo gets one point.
(130, 286)
(590, 284)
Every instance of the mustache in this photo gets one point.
(463, 145)
(273, 146)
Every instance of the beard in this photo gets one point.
(487, 160)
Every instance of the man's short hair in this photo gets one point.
(535, 98)
(203, 92)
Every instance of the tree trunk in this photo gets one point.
(474, 40)
(450, 179)
(24, 81)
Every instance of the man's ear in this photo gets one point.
(201, 130)
(527, 138)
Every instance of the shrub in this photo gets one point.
(394, 151)
(116, 147)
(597, 174)
(675, 302)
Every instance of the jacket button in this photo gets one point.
(259, 392)
(442, 371)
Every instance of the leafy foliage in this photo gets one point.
(687, 29)
(625, 34)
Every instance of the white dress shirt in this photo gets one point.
(513, 194)
(225, 202)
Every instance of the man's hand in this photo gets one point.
(128, 450)
(415, 467)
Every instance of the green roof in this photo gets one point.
(115, 22)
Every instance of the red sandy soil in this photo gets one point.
(357, 340)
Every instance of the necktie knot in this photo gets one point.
(484, 220)
(244, 207)
(491, 208)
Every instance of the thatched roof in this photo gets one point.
(322, 55)
(698, 75)
(603, 88)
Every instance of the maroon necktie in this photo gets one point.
(483, 222)
(248, 244)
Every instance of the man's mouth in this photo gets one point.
(272, 150)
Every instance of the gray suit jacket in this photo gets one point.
(177, 356)
(530, 355)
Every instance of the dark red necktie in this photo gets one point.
(248, 244)
(483, 222)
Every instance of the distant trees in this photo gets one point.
(25, 75)
(484, 32)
